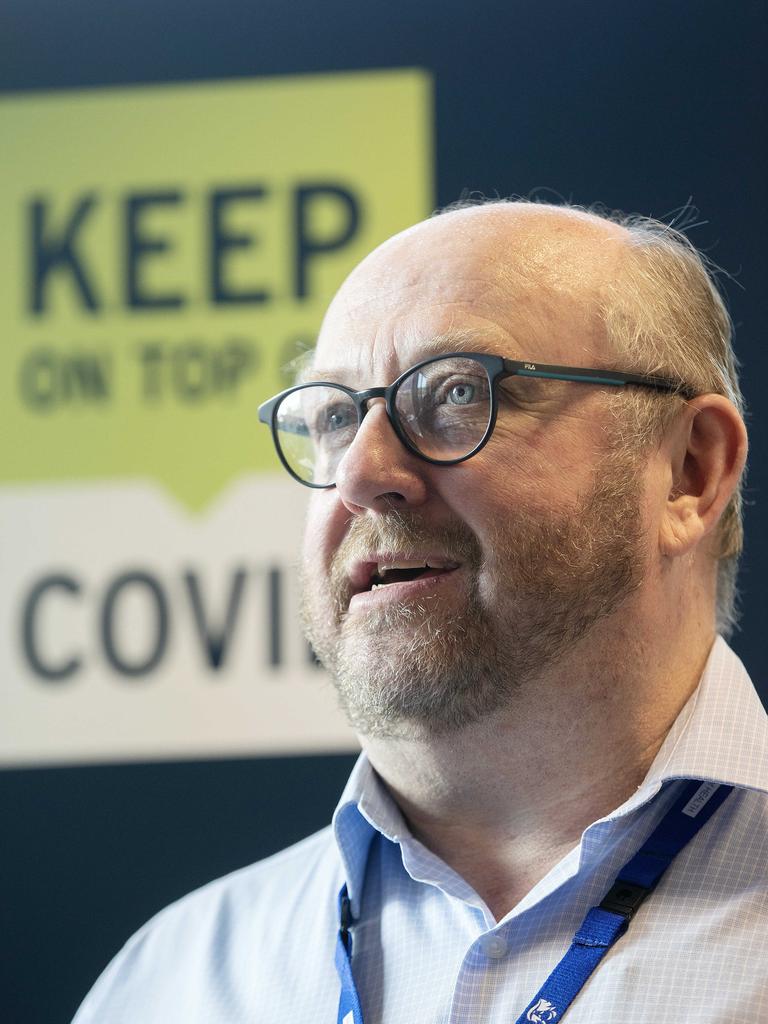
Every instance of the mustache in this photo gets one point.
(406, 533)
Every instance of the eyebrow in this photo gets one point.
(467, 339)
(300, 367)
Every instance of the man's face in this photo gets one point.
(529, 544)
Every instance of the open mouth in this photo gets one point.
(387, 575)
(393, 577)
(370, 576)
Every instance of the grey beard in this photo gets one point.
(434, 675)
(412, 668)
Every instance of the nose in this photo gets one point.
(377, 471)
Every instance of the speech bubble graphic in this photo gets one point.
(167, 250)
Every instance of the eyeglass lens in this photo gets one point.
(443, 408)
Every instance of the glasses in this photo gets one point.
(442, 409)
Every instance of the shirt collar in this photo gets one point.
(364, 809)
(721, 735)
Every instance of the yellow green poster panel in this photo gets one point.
(167, 250)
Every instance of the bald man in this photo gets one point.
(522, 432)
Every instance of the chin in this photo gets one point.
(408, 672)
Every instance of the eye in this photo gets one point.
(336, 417)
(459, 390)
(460, 394)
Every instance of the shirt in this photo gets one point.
(258, 945)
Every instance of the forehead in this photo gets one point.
(525, 290)
(353, 360)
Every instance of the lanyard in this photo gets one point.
(603, 924)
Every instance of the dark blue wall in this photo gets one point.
(639, 106)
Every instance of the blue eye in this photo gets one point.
(338, 417)
(461, 394)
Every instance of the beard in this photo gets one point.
(539, 585)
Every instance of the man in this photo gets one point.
(517, 559)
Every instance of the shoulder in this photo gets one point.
(236, 924)
(279, 879)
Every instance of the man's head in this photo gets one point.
(570, 515)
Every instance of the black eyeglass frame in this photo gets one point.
(496, 367)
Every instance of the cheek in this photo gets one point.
(541, 460)
(537, 474)
(510, 469)
(324, 529)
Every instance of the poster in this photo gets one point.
(166, 252)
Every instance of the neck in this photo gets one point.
(502, 801)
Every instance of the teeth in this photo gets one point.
(419, 563)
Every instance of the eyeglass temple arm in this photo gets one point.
(614, 378)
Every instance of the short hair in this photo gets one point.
(664, 314)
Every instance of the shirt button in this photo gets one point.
(494, 946)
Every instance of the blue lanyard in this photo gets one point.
(602, 926)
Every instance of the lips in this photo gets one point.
(382, 570)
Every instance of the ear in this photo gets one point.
(707, 452)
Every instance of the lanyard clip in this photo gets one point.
(624, 898)
(345, 920)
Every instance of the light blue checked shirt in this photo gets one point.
(258, 945)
